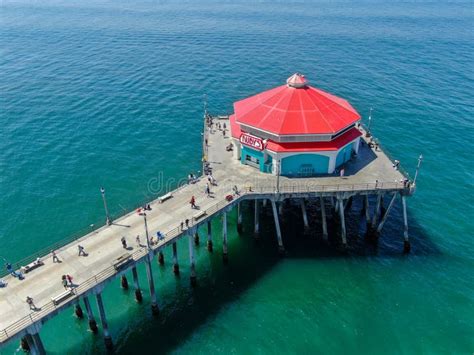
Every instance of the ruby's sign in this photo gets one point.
(251, 141)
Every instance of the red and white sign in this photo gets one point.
(252, 141)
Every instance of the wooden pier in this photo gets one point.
(371, 174)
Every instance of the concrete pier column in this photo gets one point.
(343, 222)
(151, 284)
(196, 237)
(348, 204)
(376, 212)
(225, 256)
(239, 218)
(367, 213)
(192, 276)
(78, 310)
(209, 236)
(256, 230)
(406, 241)
(385, 215)
(136, 285)
(175, 259)
(264, 203)
(124, 282)
(280, 208)
(281, 248)
(103, 320)
(26, 343)
(305, 215)
(161, 258)
(38, 347)
(323, 218)
(90, 315)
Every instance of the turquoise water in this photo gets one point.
(108, 93)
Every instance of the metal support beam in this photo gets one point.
(406, 241)
(103, 320)
(90, 315)
(256, 230)
(343, 222)
(281, 248)
(192, 276)
(151, 284)
(209, 236)
(323, 218)
(136, 285)
(385, 216)
(225, 255)
(305, 215)
(175, 259)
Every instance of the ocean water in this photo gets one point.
(110, 93)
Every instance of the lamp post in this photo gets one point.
(370, 121)
(146, 230)
(420, 159)
(108, 220)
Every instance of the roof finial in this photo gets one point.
(297, 80)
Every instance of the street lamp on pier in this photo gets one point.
(107, 216)
(370, 121)
(146, 230)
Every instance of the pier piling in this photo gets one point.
(239, 218)
(103, 320)
(225, 256)
(385, 215)
(124, 282)
(38, 347)
(323, 218)
(196, 238)
(406, 242)
(281, 248)
(90, 315)
(136, 285)
(209, 236)
(175, 259)
(305, 215)
(367, 214)
(161, 258)
(256, 230)
(192, 276)
(151, 284)
(343, 222)
(78, 311)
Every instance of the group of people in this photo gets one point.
(67, 281)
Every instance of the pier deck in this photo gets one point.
(103, 246)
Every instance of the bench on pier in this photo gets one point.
(61, 297)
(199, 215)
(122, 261)
(31, 266)
(165, 197)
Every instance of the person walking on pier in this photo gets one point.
(124, 242)
(69, 279)
(187, 223)
(80, 248)
(29, 301)
(55, 257)
(193, 202)
(208, 190)
(138, 241)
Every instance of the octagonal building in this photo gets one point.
(294, 130)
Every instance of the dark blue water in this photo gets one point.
(111, 93)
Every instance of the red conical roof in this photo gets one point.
(296, 108)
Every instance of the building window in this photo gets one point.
(252, 161)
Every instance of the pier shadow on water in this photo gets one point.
(220, 285)
(184, 310)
